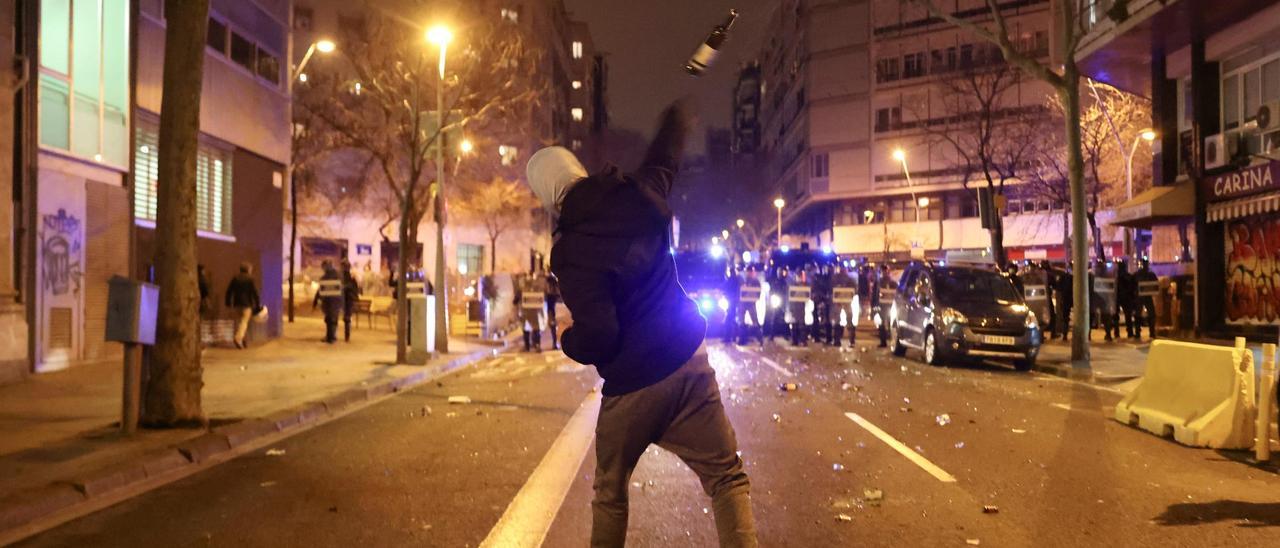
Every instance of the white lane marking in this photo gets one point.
(1062, 406)
(529, 516)
(905, 451)
(772, 364)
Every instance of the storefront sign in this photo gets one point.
(1243, 182)
(1252, 249)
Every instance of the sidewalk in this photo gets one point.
(57, 429)
(1117, 364)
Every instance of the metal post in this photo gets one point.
(131, 400)
(442, 310)
(1266, 400)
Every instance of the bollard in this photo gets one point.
(1266, 398)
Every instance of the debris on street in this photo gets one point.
(990, 509)
(275, 452)
(844, 517)
(789, 387)
(459, 399)
(1019, 431)
(943, 419)
(873, 496)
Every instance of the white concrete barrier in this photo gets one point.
(1199, 394)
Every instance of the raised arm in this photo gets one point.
(662, 161)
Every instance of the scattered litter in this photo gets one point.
(1019, 431)
(873, 496)
(904, 409)
(459, 399)
(450, 415)
(705, 510)
(959, 445)
(244, 368)
(844, 517)
(333, 509)
(508, 408)
(906, 401)
(991, 509)
(864, 349)
(943, 419)
(426, 410)
(837, 467)
(635, 484)
(266, 484)
(904, 369)
(777, 417)
(972, 542)
(789, 387)
(275, 452)
(844, 504)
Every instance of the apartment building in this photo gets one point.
(1212, 70)
(89, 146)
(871, 174)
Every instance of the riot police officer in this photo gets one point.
(775, 317)
(844, 290)
(1064, 295)
(350, 295)
(532, 301)
(732, 316)
(330, 296)
(1102, 295)
(798, 294)
(822, 303)
(1126, 299)
(1148, 290)
(884, 290)
(749, 295)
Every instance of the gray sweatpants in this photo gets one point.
(682, 414)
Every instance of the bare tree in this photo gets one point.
(498, 205)
(176, 377)
(1070, 25)
(988, 135)
(310, 143)
(385, 109)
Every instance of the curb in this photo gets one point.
(29, 512)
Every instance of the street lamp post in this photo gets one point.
(901, 156)
(323, 46)
(440, 36)
(779, 203)
(1147, 135)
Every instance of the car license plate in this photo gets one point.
(995, 339)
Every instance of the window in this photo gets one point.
(511, 14)
(268, 66)
(576, 112)
(577, 49)
(217, 38)
(213, 182)
(913, 65)
(243, 51)
(470, 259)
(966, 56)
(577, 84)
(888, 119)
(576, 144)
(1244, 90)
(84, 79)
(822, 165)
(887, 70)
(510, 155)
(303, 18)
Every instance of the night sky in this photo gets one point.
(647, 43)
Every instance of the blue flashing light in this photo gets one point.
(717, 251)
(746, 256)
(785, 248)
(706, 304)
(826, 250)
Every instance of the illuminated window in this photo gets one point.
(577, 49)
(512, 15)
(470, 258)
(213, 182)
(577, 114)
(84, 79)
(577, 84)
(577, 144)
(509, 154)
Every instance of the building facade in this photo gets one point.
(1212, 71)
(88, 123)
(855, 109)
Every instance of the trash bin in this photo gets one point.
(421, 327)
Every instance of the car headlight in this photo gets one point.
(951, 315)
(706, 304)
(1031, 322)
(775, 301)
(723, 304)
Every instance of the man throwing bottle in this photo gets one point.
(634, 323)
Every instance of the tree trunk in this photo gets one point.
(402, 280)
(442, 306)
(1070, 95)
(1099, 251)
(293, 234)
(997, 243)
(175, 380)
(493, 254)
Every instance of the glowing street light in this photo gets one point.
(440, 35)
(322, 46)
(741, 223)
(779, 203)
(899, 155)
(1148, 135)
(724, 234)
(466, 146)
(923, 201)
(326, 46)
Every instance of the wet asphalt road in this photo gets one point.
(415, 470)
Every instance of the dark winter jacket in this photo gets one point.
(331, 306)
(241, 292)
(631, 318)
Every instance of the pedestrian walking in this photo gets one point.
(242, 295)
(350, 296)
(329, 299)
(844, 290)
(634, 323)
(749, 295)
(553, 299)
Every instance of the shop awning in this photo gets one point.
(1157, 205)
(1243, 207)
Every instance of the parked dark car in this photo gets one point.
(957, 311)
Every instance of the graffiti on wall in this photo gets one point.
(1253, 271)
(60, 253)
